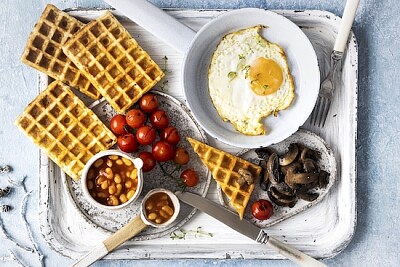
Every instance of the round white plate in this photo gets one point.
(110, 221)
(327, 162)
(303, 64)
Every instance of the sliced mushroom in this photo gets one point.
(295, 180)
(246, 175)
(264, 179)
(294, 165)
(289, 156)
(308, 153)
(281, 203)
(310, 166)
(307, 196)
(273, 170)
(323, 179)
(280, 196)
(283, 188)
(263, 153)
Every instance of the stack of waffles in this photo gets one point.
(224, 168)
(99, 59)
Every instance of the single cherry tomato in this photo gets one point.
(190, 177)
(262, 209)
(148, 161)
(146, 135)
(181, 156)
(159, 119)
(171, 135)
(149, 103)
(135, 118)
(118, 123)
(162, 151)
(127, 142)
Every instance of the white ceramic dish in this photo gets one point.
(137, 162)
(199, 48)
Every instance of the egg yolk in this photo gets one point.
(265, 76)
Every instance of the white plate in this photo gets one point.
(327, 162)
(111, 220)
(302, 63)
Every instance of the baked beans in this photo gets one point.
(159, 208)
(112, 180)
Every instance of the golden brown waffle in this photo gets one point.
(113, 61)
(61, 124)
(43, 50)
(224, 168)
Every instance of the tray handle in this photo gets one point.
(159, 23)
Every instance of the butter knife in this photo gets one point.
(246, 228)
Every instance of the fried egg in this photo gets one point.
(249, 79)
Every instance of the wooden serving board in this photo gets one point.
(321, 231)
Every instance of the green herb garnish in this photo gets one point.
(232, 75)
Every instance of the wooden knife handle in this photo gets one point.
(293, 254)
(131, 229)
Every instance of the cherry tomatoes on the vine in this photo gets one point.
(128, 143)
(118, 123)
(162, 151)
(148, 161)
(159, 119)
(148, 103)
(171, 135)
(135, 118)
(190, 177)
(262, 209)
(181, 156)
(146, 135)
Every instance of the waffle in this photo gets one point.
(60, 124)
(224, 168)
(113, 61)
(43, 50)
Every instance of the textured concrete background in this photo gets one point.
(376, 28)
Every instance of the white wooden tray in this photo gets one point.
(321, 231)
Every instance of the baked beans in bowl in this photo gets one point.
(160, 208)
(112, 179)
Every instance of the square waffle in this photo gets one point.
(61, 124)
(224, 168)
(113, 61)
(43, 50)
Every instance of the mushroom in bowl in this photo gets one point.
(112, 179)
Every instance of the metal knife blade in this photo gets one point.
(220, 213)
(247, 228)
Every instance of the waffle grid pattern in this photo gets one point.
(65, 128)
(113, 61)
(43, 50)
(224, 168)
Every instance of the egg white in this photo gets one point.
(229, 86)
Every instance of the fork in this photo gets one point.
(325, 96)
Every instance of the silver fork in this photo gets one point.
(325, 96)
(324, 100)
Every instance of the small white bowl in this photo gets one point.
(138, 165)
(175, 202)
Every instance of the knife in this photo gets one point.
(246, 228)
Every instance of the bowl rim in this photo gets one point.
(137, 162)
(175, 202)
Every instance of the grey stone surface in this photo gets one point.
(376, 29)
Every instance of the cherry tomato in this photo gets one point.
(148, 161)
(171, 135)
(262, 209)
(127, 143)
(135, 118)
(149, 103)
(190, 177)
(162, 151)
(146, 135)
(159, 119)
(181, 156)
(118, 123)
